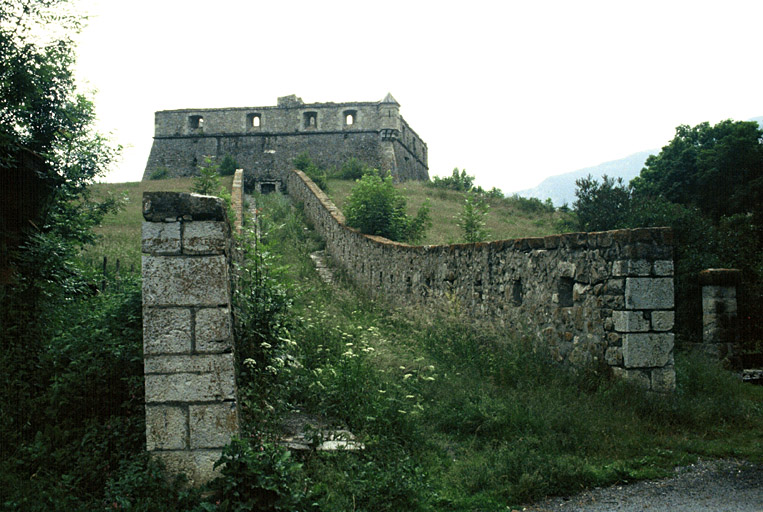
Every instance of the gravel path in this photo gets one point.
(708, 486)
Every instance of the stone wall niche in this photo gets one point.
(191, 411)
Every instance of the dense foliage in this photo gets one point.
(375, 207)
(718, 169)
(41, 111)
(706, 184)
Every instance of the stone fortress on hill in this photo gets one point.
(265, 140)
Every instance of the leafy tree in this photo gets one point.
(602, 206)
(375, 207)
(718, 169)
(471, 220)
(41, 111)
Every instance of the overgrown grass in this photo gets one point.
(507, 218)
(458, 417)
(120, 233)
(453, 416)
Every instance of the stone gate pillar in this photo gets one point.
(187, 332)
(719, 311)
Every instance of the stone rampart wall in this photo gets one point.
(588, 296)
(187, 332)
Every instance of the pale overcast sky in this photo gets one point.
(512, 91)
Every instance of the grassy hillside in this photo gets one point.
(507, 218)
(120, 233)
(460, 417)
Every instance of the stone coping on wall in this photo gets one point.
(175, 206)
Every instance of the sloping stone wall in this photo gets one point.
(187, 332)
(589, 296)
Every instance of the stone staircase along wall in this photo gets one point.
(187, 332)
(588, 296)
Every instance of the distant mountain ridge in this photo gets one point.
(561, 188)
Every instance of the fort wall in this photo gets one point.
(590, 297)
(265, 140)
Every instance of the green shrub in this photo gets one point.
(140, 485)
(208, 180)
(228, 166)
(159, 174)
(531, 204)
(262, 477)
(353, 169)
(318, 174)
(375, 207)
(471, 220)
(459, 181)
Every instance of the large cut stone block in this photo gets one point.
(166, 427)
(649, 293)
(205, 237)
(213, 330)
(647, 350)
(630, 321)
(631, 268)
(663, 268)
(178, 281)
(190, 387)
(197, 465)
(663, 320)
(198, 363)
(166, 331)
(159, 238)
(212, 425)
